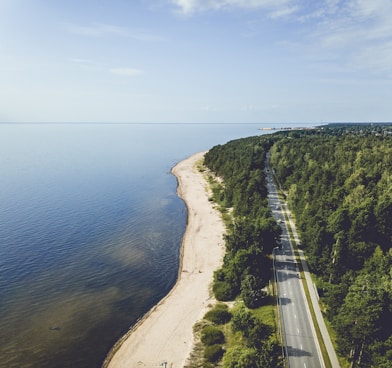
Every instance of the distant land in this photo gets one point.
(338, 125)
(329, 125)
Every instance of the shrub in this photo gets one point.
(241, 357)
(223, 291)
(211, 335)
(219, 314)
(259, 334)
(225, 286)
(242, 321)
(213, 353)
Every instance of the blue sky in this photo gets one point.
(190, 61)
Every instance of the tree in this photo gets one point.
(242, 321)
(251, 292)
(339, 183)
(358, 319)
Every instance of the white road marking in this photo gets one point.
(298, 330)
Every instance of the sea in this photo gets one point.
(90, 232)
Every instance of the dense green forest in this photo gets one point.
(338, 182)
(251, 236)
(339, 186)
(253, 233)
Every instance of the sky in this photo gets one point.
(196, 61)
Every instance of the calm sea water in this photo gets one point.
(90, 233)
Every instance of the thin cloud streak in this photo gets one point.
(106, 30)
(360, 31)
(90, 65)
(96, 30)
(126, 72)
(283, 12)
(357, 31)
(188, 7)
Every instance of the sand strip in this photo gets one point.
(164, 334)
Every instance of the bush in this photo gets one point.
(223, 291)
(213, 353)
(225, 286)
(219, 315)
(242, 321)
(259, 334)
(211, 335)
(241, 357)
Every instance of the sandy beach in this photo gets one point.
(164, 334)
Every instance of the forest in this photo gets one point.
(337, 180)
(252, 233)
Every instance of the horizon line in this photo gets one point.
(190, 123)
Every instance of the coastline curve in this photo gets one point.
(164, 333)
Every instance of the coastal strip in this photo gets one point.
(164, 336)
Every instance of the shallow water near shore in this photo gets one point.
(90, 233)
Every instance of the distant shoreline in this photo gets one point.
(165, 334)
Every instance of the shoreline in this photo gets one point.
(165, 332)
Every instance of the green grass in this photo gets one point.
(266, 313)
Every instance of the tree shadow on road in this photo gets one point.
(285, 301)
(297, 352)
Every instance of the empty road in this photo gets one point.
(301, 345)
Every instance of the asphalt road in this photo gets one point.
(301, 345)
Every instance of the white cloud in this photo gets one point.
(283, 12)
(84, 62)
(88, 65)
(365, 8)
(192, 6)
(352, 34)
(103, 30)
(357, 33)
(126, 72)
(96, 30)
(353, 21)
